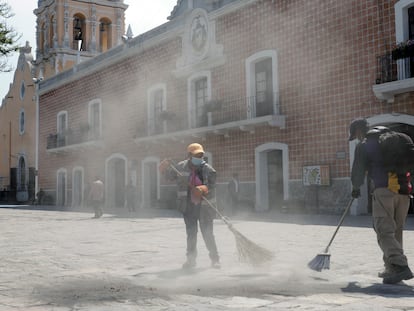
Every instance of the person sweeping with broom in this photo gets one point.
(390, 196)
(196, 179)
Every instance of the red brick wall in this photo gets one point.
(327, 53)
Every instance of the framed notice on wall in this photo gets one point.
(316, 175)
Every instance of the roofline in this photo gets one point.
(165, 32)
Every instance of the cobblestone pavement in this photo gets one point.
(54, 260)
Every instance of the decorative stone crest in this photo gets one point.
(200, 50)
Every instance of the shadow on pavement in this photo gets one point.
(386, 290)
(92, 290)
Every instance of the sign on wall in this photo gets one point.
(316, 175)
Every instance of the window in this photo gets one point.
(79, 32)
(62, 128)
(105, 38)
(51, 32)
(22, 90)
(199, 95)
(200, 101)
(156, 105)
(95, 122)
(42, 38)
(264, 89)
(21, 122)
(404, 28)
(262, 84)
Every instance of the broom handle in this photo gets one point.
(225, 220)
(340, 223)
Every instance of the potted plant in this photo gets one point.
(403, 50)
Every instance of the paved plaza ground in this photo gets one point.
(66, 260)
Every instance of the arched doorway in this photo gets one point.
(77, 187)
(116, 168)
(272, 175)
(61, 187)
(150, 182)
(22, 194)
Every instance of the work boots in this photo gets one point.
(215, 264)
(189, 264)
(397, 274)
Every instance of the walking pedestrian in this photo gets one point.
(131, 196)
(390, 198)
(195, 179)
(96, 196)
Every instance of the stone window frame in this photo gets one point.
(401, 19)
(91, 120)
(150, 101)
(191, 81)
(250, 64)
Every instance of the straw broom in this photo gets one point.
(323, 260)
(248, 251)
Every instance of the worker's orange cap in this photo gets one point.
(195, 148)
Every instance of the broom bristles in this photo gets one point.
(248, 251)
(320, 262)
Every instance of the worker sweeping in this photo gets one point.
(195, 179)
(388, 166)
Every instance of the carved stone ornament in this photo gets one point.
(198, 34)
(199, 49)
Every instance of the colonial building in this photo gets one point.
(269, 87)
(17, 133)
(68, 32)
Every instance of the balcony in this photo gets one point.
(73, 140)
(219, 117)
(393, 77)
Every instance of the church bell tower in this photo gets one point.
(70, 31)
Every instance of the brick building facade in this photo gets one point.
(269, 87)
(67, 32)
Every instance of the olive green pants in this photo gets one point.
(389, 211)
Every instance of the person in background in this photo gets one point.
(131, 196)
(195, 179)
(96, 197)
(389, 205)
(40, 196)
(233, 188)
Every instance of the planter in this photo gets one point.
(403, 50)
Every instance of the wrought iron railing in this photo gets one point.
(71, 138)
(389, 69)
(216, 112)
(244, 108)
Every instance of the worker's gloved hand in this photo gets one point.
(203, 189)
(164, 165)
(200, 191)
(356, 193)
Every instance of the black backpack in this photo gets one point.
(397, 151)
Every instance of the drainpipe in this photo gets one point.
(36, 82)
